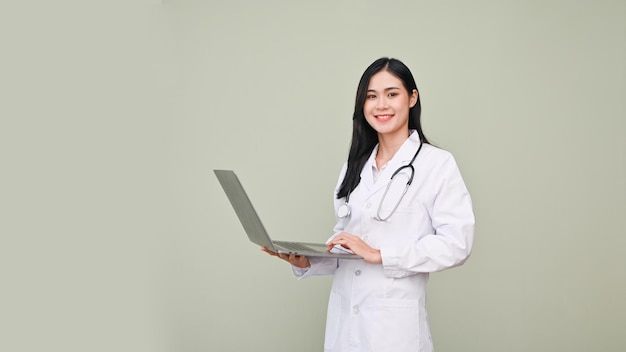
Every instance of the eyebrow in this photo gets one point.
(386, 89)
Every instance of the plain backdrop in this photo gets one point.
(115, 235)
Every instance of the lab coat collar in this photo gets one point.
(402, 157)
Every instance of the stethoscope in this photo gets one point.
(344, 210)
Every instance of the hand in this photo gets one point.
(296, 260)
(358, 246)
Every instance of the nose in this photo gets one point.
(381, 103)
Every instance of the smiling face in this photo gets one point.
(387, 105)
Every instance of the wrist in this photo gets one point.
(303, 264)
(375, 257)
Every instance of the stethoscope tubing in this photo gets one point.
(344, 209)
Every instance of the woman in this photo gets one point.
(379, 303)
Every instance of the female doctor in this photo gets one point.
(402, 206)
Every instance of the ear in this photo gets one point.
(413, 98)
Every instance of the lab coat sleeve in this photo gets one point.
(319, 267)
(453, 221)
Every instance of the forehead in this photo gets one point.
(384, 79)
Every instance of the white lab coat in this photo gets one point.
(374, 307)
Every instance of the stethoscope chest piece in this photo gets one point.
(343, 211)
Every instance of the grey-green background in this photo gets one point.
(115, 235)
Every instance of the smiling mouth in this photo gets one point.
(383, 117)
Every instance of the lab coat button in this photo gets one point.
(355, 309)
(368, 205)
(357, 273)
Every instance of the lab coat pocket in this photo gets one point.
(407, 221)
(333, 320)
(396, 325)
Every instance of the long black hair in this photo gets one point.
(364, 137)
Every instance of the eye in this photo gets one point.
(392, 94)
(371, 96)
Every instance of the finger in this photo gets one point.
(272, 253)
(342, 242)
(264, 249)
(286, 257)
(295, 259)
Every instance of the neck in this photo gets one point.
(388, 146)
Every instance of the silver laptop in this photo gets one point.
(255, 230)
